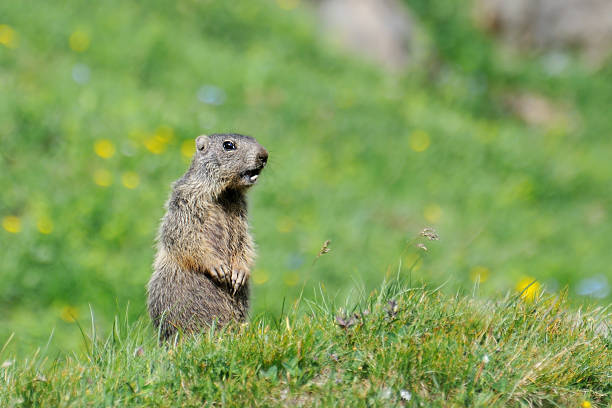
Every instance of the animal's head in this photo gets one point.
(229, 160)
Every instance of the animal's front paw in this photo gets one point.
(239, 278)
(220, 273)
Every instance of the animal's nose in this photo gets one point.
(262, 156)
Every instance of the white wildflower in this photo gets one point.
(406, 395)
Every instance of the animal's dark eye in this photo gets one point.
(227, 145)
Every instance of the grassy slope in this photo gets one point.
(404, 343)
(342, 168)
(513, 199)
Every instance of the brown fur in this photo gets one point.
(204, 250)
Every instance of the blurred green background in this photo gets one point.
(99, 106)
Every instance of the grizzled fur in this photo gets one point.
(204, 250)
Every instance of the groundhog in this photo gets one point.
(204, 249)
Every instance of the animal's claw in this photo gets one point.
(228, 276)
(243, 280)
(240, 280)
(213, 273)
(234, 279)
(221, 274)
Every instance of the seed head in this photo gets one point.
(430, 234)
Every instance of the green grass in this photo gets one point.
(511, 202)
(403, 345)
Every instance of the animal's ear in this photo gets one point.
(201, 142)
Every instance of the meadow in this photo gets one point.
(400, 346)
(99, 107)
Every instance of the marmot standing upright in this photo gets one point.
(204, 250)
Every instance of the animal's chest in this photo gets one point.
(229, 230)
(237, 237)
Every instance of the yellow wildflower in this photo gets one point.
(188, 148)
(79, 41)
(12, 224)
(130, 179)
(8, 36)
(44, 225)
(164, 133)
(419, 141)
(69, 314)
(104, 148)
(479, 274)
(155, 145)
(529, 288)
